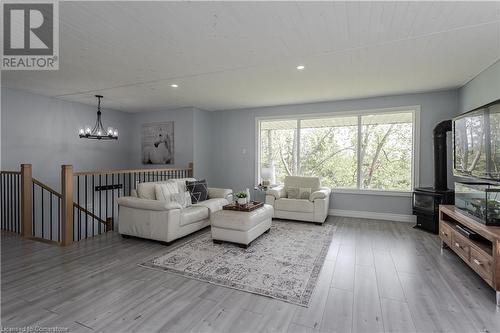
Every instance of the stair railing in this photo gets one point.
(38, 212)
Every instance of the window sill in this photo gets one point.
(373, 192)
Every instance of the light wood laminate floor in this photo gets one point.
(378, 276)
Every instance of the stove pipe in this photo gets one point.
(440, 166)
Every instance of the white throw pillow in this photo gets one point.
(304, 193)
(164, 191)
(146, 191)
(182, 198)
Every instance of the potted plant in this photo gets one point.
(241, 198)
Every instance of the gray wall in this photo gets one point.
(202, 147)
(482, 89)
(43, 131)
(234, 136)
(183, 135)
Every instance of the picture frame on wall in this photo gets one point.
(157, 142)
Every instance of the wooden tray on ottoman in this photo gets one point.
(244, 208)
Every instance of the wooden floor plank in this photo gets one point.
(378, 276)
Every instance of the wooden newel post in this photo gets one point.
(67, 205)
(191, 171)
(26, 200)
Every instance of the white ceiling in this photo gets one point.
(226, 55)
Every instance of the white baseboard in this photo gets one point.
(373, 215)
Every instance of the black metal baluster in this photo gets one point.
(18, 204)
(1, 201)
(75, 209)
(58, 219)
(129, 184)
(11, 222)
(33, 217)
(93, 205)
(100, 206)
(79, 233)
(50, 213)
(106, 193)
(86, 206)
(113, 197)
(43, 217)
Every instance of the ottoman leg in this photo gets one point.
(243, 246)
(216, 241)
(267, 231)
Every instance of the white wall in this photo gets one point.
(234, 139)
(43, 131)
(481, 90)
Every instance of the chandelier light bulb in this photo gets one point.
(87, 130)
(116, 133)
(81, 131)
(99, 133)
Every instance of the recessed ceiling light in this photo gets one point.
(300, 67)
(174, 85)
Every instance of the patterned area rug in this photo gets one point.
(282, 264)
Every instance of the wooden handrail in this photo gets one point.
(47, 188)
(88, 213)
(104, 172)
(11, 172)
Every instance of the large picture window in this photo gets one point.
(367, 150)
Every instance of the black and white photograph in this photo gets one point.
(157, 142)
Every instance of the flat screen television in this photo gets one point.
(476, 143)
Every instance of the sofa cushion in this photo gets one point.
(193, 214)
(146, 191)
(213, 205)
(183, 199)
(294, 205)
(313, 183)
(198, 190)
(292, 192)
(304, 193)
(164, 191)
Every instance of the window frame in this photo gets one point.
(413, 109)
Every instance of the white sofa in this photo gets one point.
(312, 209)
(141, 215)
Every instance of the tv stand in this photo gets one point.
(482, 253)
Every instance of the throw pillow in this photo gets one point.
(146, 191)
(183, 199)
(304, 193)
(292, 192)
(164, 191)
(198, 190)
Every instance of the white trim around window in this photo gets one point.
(414, 109)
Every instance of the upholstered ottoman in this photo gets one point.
(240, 227)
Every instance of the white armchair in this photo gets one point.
(141, 215)
(314, 208)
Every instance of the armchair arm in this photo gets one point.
(147, 204)
(322, 193)
(277, 192)
(220, 193)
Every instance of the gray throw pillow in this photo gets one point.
(292, 192)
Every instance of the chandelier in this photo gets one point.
(98, 132)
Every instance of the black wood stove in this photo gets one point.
(426, 200)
